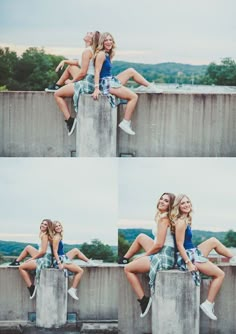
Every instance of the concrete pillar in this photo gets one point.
(96, 129)
(129, 321)
(175, 307)
(51, 299)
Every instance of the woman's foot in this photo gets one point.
(14, 263)
(123, 260)
(126, 127)
(71, 123)
(145, 304)
(72, 293)
(208, 309)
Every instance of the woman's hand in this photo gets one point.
(60, 66)
(60, 265)
(96, 93)
(191, 266)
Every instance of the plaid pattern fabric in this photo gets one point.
(42, 263)
(163, 260)
(194, 255)
(85, 86)
(105, 84)
(63, 259)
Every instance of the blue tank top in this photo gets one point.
(106, 67)
(188, 238)
(60, 248)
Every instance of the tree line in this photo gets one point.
(35, 70)
(127, 236)
(95, 250)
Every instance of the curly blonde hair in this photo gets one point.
(54, 225)
(101, 45)
(176, 214)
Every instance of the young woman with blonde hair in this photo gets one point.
(194, 259)
(82, 79)
(40, 258)
(64, 261)
(108, 84)
(159, 253)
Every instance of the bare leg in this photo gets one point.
(60, 95)
(23, 268)
(77, 271)
(141, 241)
(141, 265)
(70, 71)
(28, 250)
(211, 269)
(132, 73)
(207, 246)
(76, 252)
(126, 94)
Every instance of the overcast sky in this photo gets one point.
(209, 182)
(78, 192)
(92, 197)
(151, 31)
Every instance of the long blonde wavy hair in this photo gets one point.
(101, 45)
(176, 214)
(54, 225)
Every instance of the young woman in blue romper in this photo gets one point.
(193, 258)
(108, 85)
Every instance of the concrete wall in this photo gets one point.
(170, 124)
(104, 292)
(31, 125)
(182, 125)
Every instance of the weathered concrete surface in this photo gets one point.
(51, 301)
(96, 128)
(225, 305)
(98, 294)
(14, 296)
(105, 288)
(175, 304)
(129, 309)
(96, 328)
(31, 125)
(166, 125)
(182, 125)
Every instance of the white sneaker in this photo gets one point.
(208, 309)
(125, 126)
(72, 293)
(92, 263)
(233, 260)
(153, 89)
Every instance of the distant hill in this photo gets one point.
(164, 72)
(13, 248)
(198, 235)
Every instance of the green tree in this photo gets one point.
(230, 239)
(99, 251)
(222, 74)
(8, 63)
(35, 70)
(123, 244)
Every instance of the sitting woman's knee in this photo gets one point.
(126, 270)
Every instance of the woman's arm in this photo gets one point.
(43, 248)
(98, 66)
(160, 238)
(180, 228)
(86, 57)
(55, 244)
(68, 62)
